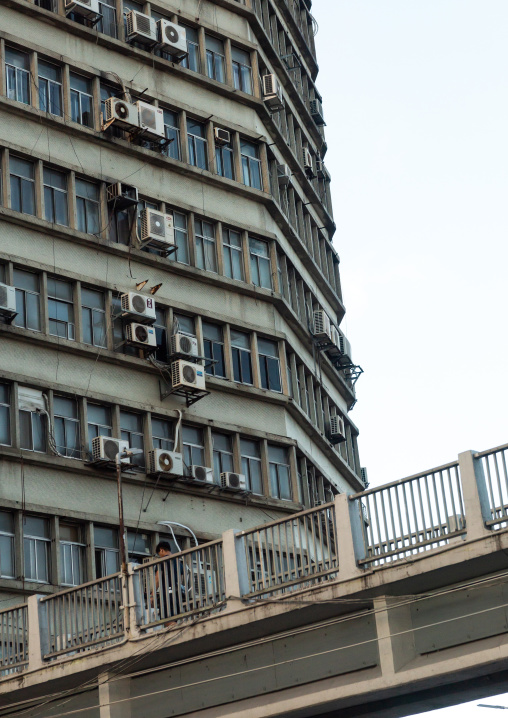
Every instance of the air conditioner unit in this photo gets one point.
(104, 448)
(122, 113)
(122, 195)
(85, 8)
(151, 120)
(182, 344)
(141, 28)
(344, 346)
(187, 375)
(334, 350)
(307, 162)
(222, 137)
(364, 476)
(173, 38)
(337, 429)
(169, 463)
(139, 306)
(202, 474)
(273, 93)
(316, 111)
(233, 481)
(140, 335)
(7, 301)
(284, 174)
(157, 228)
(322, 325)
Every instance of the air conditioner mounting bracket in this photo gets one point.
(190, 395)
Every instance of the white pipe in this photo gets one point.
(174, 523)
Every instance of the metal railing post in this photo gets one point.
(476, 498)
(350, 543)
(38, 639)
(236, 576)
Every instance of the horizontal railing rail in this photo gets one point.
(292, 552)
(411, 515)
(494, 463)
(13, 639)
(179, 586)
(83, 617)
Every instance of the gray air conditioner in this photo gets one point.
(222, 137)
(157, 229)
(322, 325)
(307, 163)
(85, 8)
(7, 301)
(172, 38)
(364, 476)
(273, 94)
(187, 376)
(104, 448)
(151, 120)
(233, 481)
(316, 111)
(122, 113)
(337, 429)
(202, 474)
(139, 306)
(141, 28)
(140, 335)
(185, 345)
(122, 195)
(283, 174)
(345, 346)
(168, 463)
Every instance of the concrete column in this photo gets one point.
(35, 640)
(350, 545)
(236, 575)
(226, 330)
(228, 62)
(3, 84)
(133, 600)
(6, 184)
(394, 632)
(476, 498)
(114, 696)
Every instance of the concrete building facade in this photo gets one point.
(238, 172)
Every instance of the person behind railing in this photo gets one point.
(169, 597)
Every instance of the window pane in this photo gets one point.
(246, 367)
(6, 556)
(268, 347)
(49, 71)
(92, 298)
(88, 190)
(105, 537)
(240, 55)
(6, 522)
(240, 339)
(35, 526)
(192, 435)
(65, 407)
(212, 332)
(131, 422)
(26, 280)
(5, 426)
(16, 58)
(99, 414)
(20, 167)
(278, 454)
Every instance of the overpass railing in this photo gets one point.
(494, 464)
(411, 515)
(291, 553)
(13, 639)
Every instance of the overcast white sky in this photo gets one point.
(416, 103)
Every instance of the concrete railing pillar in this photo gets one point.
(132, 601)
(236, 576)
(37, 634)
(350, 544)
(475, 494)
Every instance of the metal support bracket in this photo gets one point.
(191, 396)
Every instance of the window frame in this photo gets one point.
(17, 71)
(51, 86)
(79, 95)
(21, 179)
(32, 542)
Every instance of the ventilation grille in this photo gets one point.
(3, 295)
(269, 85)
(171, 34)
(148, 117)
(105, 449)
(189, 374)
(200, 473)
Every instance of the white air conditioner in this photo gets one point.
(139, 306)
(337, 429)
(233, 481)
(316, 111)
(140, 335)
(307, 161)
(157, 228)
(122, 113)
(7, 301)
(344, 346)
(222, 137)
(169, 463)
(364, 476)
(322, 325)
(186, 375)
(183, 344)
(104, 448)
(122, 195)
(272, 92)
(151, 120)
(334, 350)
(202, 474)
(141, 28)
(172, 38)
(284, 174)
(85, 8)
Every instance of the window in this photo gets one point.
(251, 164)
(5, 415)
(198, 147)
(60, 308)
(242, 365)
(242, 72)
(27, 300)
(280, 481)
(107, 23)
(7, 562)
(181, 237)
(131, 430)
(222, 454)
(106, 93)
(193, 446)
(269, 365)
(224, 165)
(172, 133)
(66, 427)
(260, 266)
(17, 71)
(232, 249)
(206, 256)
(191, 61)
(161, 335)
(81, 100)
(99, 422)
(184, 324)
(55, 196)
(93, 317)
(138, 546)
(215, 59)
(32, 430)
(107, 553)
(251, 465)
(22, 180)
(50, 88)
(72, 554)
(87, 206)
(162, 434)
(36, 544)
(213, 341)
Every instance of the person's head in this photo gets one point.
(163, 549)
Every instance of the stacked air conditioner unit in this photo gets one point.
(122, 113)
(104, 448)
(337, 429)
(334, 349)
(186, 375)
(364, 476)
(150, 120)
(85, 8)
(272, 93)
(141, 28)
(140, 335)
(307, 163)
(172, 38)
(184, 345)
(139, 306)
(233, 481)
(222, 137)
(202, 474)
(167, 463)
(322, 325)
(316, 111)
(344, 346)
(284, 174)
(157, 229)
(7, 301)
(122, 195)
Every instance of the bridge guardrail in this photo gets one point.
(411, 515)
(291, 553)
(13, 639)
(494, 463)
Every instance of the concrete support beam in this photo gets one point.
(350, 546)
(476, 498)
(114, 695)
